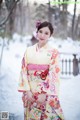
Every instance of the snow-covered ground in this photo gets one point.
(10, 98)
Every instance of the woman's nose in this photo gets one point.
(42, 35)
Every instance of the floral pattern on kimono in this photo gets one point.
(51, 109)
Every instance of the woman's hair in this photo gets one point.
(45, 24)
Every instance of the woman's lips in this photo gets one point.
(41, 39)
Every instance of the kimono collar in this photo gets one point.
(42, 48)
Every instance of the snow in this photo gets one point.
(10, 98)
(70, 98)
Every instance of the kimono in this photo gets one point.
(39, 74)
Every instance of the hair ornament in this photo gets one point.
(38, 23)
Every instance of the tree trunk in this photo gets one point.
(28, 17)
(1, 2)
(64, 18)
(73, 21)
(59, 4)
(77, 26)
(49, 12)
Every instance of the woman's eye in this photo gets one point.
(46, 33)
(40, 31)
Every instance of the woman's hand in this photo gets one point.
(30, 96)
(27, 96)
(41, 98)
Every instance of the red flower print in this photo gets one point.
(44, 74)
(55, 99)
(45, 116)
(57, 69)
(35, 73)
(54, 103)
(23, 63)
(51, 103)
(36, 96)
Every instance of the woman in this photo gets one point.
(39, 80)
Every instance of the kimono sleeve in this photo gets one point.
(51, 84)
(23, 84)
(54, 74)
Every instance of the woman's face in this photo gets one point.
(43, 34)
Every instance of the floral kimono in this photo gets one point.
(39, 74)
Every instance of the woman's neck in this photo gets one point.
(40, 45)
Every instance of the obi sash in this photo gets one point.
(38, 69)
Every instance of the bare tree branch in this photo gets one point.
(3, 22)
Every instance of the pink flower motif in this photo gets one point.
(53, 53)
